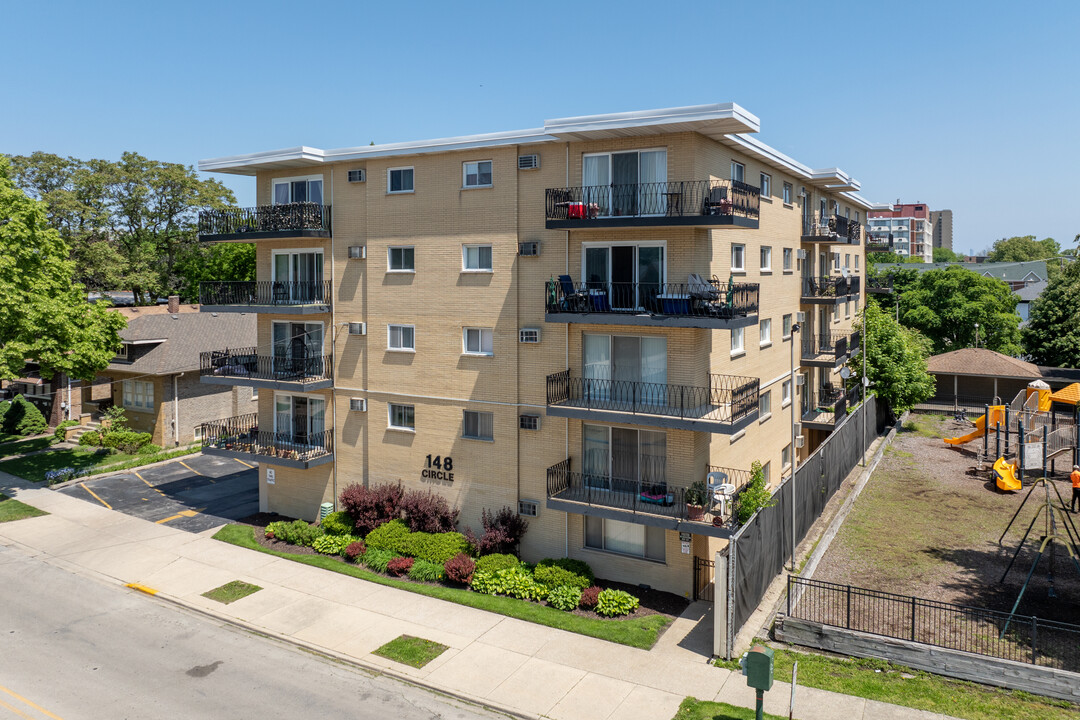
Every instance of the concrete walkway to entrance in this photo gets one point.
(524, 669)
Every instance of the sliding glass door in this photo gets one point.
(299, 419)
(298, 276)
(298, 349)
(631, 276)
(624, 459)
(627, 183)
(625, 369)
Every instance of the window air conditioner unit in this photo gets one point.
(801, 254)
(528, 508)
(798, 428)
(357, 176)
(529, 249)
(357, 328)
(529, 335)
(528, 162)
(800, 317)
(799, 441)
(357, 252)
(800, 380)
(358, 404)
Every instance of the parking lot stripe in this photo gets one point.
(83, 486)
(149, 485)
(243, 463)
(165, 520)
(140, 476)
(190, 468)
(15, 710)
(21, 699)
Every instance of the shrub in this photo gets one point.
(296, 532)
(58, 433)
(22, 418)
(400, 565)
(516, 582)
(495, 562)
(354, 550)
(754, 496)
(425, 571)
(589, 597)
(90, 439)
(377, 560)
(337, 523)
(435, 548)
(126, 441)
(389, 536)
(149, 449)
(4, 405)
(428, 512)
(115, 419)
(611, 603)
(503, 531)
(371, 507)
(564, 571)
(460, 569)
(328, 544)
(564, 598)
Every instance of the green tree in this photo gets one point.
(901, 279)
(1052, 333)
(215, 261)
(944, 305)
(942, 254)
(895, 360)
(44, 315)
(1022, 249)
(878, 258)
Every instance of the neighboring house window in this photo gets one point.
(766, 259)
(787, 193)
(476, 174)
(402, 417)
(765, 404)
(787, 259)
(476, 257)
(616, 536)
(766, 185)
(736, 340)
(785, 393)
(738, 171)
(399, 180)
(122, 355)
(138, 394)
(294, 190)
(765, 331)
(738, 258)
(401, 338)
(198, 433)
(478, 341)
(787, 326)
(401, 259)
(479, 425)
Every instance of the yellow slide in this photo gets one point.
(997, 415)
(1005, 476)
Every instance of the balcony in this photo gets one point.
(275, 372)
(881, 285)
(697, 304)
(831, 228)
(270, 296)
(649, 500)
(825, 408)
(729, 404)
(828, 348)
(829, 290)
(239, 437)
(291, 220)
(877, 245)
(700, 203)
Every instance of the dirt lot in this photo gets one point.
(927, 524)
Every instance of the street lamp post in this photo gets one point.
(794, 463)
(976, 334)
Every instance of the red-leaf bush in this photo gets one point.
(589, 597)
(354, 550)
(428, 512)
(459, 569)
(373, 506)
(503, 531)
(400, 565)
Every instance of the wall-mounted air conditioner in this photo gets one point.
(800, 317)
(358, 404)
(357, 252)
(800, 380)
(528, 162)
(529, 249)
(357, 176)
(799, 441)
(357, 328)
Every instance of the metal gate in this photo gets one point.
(704, 588)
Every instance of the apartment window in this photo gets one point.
(766, 470)
(765, 331)
(738, 171)
(476, 174)
(787, 193)
(836, 313)
(766, 185)
(478, 341)
(139, 394)
(529, 422)
(785, 456)
(294, 190)
(401, 338)
(736, 340)
(738, 258)
(847, 308)
(785, 393)
(847, 260)
(856, 216)
(787, 326)
(402, 417)
(764, 404)
(400, 259)
(399, 180)
(625, 538)
(254, 393)
(476, 258)
(856, 263)
(478, 425)
(788, 256)
(766, 259)
(198, 433)
(836, 261)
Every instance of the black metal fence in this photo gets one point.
(680, 198)
(1020, 638)
(265, 218)
(955, 404)
(832, 227)
(708, 299)
(265, 292)
(241, 433)
(246, 363)
(834, 343)
(822, 287)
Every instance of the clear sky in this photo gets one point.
(972, 106)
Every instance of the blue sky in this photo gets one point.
(962, 105)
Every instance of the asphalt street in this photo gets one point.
(193, 493)
(72, 647)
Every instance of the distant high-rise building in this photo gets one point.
(941, 221)
(904, 229)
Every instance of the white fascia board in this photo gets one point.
(663, 116)
(862, 202)
(230, 163)
(771, 156)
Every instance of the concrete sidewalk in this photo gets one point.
(507, 664)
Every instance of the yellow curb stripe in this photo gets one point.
(142, 588)
(37, 707)
(165, 520)
(141, 477)
(83, 486)
(243, 463)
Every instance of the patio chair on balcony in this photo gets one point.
(717, 202)
(572, 300)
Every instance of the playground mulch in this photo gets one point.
(928, 522)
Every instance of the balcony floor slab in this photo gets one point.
(269, 460)
(650, 420)
(648, 320)
(267, 235)
(654, 221)
(315, 309)
(294, 385)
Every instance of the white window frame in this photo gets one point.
(741, 267)
(738, 344)
(297, 251)
(766, 470)
(138, 395)
(314, 396)
(390, 417)
(400, 347)
(785, 457)
(465, 258)
(390, 259)
(645, 530)
(789, 191)
(738, 168)
(765, 257)
(389, 175)
(766, 186)
(480, 353)
(765, 332)
(610, 153)
(476, 163)
(786, 324)
(785, 393)
(197, 433)
(789, 260)
(479, 425)
(289, 181)
(764, 405)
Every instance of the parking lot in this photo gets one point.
(193, 493)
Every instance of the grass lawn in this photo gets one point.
(410, 650)
(33, 468)
(18, 448)
(231, 591)
(15, 510)
(639, 632)
(694, 709)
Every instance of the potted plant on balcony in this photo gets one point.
(696, 496)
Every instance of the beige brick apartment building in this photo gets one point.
(577, 321)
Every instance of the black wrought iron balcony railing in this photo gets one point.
(727, 399)
(675, 199)
(704, 298)
(829, 343)
(833, 227)
(878, 245)
(265, 292)
(830, 287)
(241, 434)
(883, 284)
(246, 363)
(827, 404)
(305, 218)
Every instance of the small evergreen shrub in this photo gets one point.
(338, 523)
(611, 603)
(149, 449)
(564, 597)
(400, 566)
(428, 512)
(22, 418)
(389, 536)
(90, 439)
(296, 532)
(425, 571)
(354, 550)
(436, 548)
(503, 531)
(459, 569)
(126, 441)
(495, 562)
(378, 560)
(59, 433)
(4, 405)
(372, 507)
(564, 571)
(589, 597)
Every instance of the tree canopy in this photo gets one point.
(944, 305)
(1022, 249)
(44, 314)
(895, 360)
(1052, 333)
(943, 254)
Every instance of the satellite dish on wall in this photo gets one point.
(845, 372)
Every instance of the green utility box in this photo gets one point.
(758, 667)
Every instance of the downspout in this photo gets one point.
(566, 363)
(333, 344)
(69, 396)
(176, 410)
